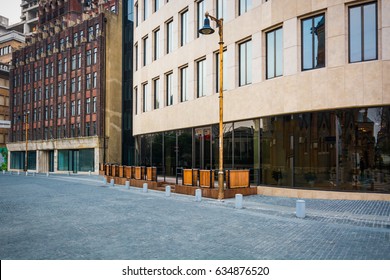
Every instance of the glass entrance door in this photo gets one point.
(203, 152)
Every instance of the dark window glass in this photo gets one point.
(275, 53)
(313, 42)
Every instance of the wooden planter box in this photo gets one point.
(190, 177)
(206, 178)
(114, 170)
(151, 173)
(101, 166)
(237, 179)
(139, 172)
(127, 172)
(121, 171)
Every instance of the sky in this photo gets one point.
(11, 9)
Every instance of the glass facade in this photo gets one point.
(76, 160)
(18, 160)
(345, 150)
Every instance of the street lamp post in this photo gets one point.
(26, 157)
(206, 30)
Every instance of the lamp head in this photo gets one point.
(206, 29)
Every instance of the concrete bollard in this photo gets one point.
(300, 209)
(198, 195)
(112, 183)
(168, 191)
(33, 174)
(26, 173)
(145, 187)
(89, 172)
(3, 172)
(127, 184)
(105, 181)
(47, 174)
(18, 172)
(238, 203)
(68, 173)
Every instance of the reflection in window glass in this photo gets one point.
(184, 84)
(313, 42)
(362, 33)
(169, 89)
(275, 53)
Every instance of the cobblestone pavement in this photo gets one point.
(79, 217)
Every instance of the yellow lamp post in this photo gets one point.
(206, 30)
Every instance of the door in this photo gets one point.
(51, 161)
(74, 160)
(203, 153)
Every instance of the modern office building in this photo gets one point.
(66, 94)
(306, 90)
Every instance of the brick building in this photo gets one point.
(66, 90)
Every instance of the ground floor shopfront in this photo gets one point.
(65, 155)
(345, 149)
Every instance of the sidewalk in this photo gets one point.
(79, 217)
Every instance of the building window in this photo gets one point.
(136, 14)
(156, 47)
(363, 32)
(79, 83)
(184, 84)
(201, 15)
(136, 57)
(201, 77)
(78, 107)
(64, 111)
(65, 65)
(88, 105)
(244, 6)
(75, 39)
(146, 9)
(97, 30)
(64, 85)
(156, 93)
(46, 93)
(90, 33)
(136, 100)
(145, 98)
(157, 5)
(59, 68)
(184, 38)
(94, 55)
(169, 89)
(73, 108)
(88, 81)
(74, 62)
(245, 63)
(94, 128)
(79, 61)
(51, 112)
(59, 107)
(221, 9)
(274, 53)
(51, 90)
(217, 70)
(89, 57)
(313, 42)
(94, 80)
(169, 26)
(94, 104)
(145, 51)
(59, 89)
(87, 129)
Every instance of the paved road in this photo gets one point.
(78, 217)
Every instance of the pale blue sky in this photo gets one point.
(11, 10)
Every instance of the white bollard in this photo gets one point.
(47, 174)
(168, 191)
(18, 172)
(238, 204)
(145, 187)
(26, 173)
(112, 182)
(198, 195)
(34, 174)
(105, 181)
(127, 185)
(3, 172)
(68, 173)
(89, 172)
(300, 209)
